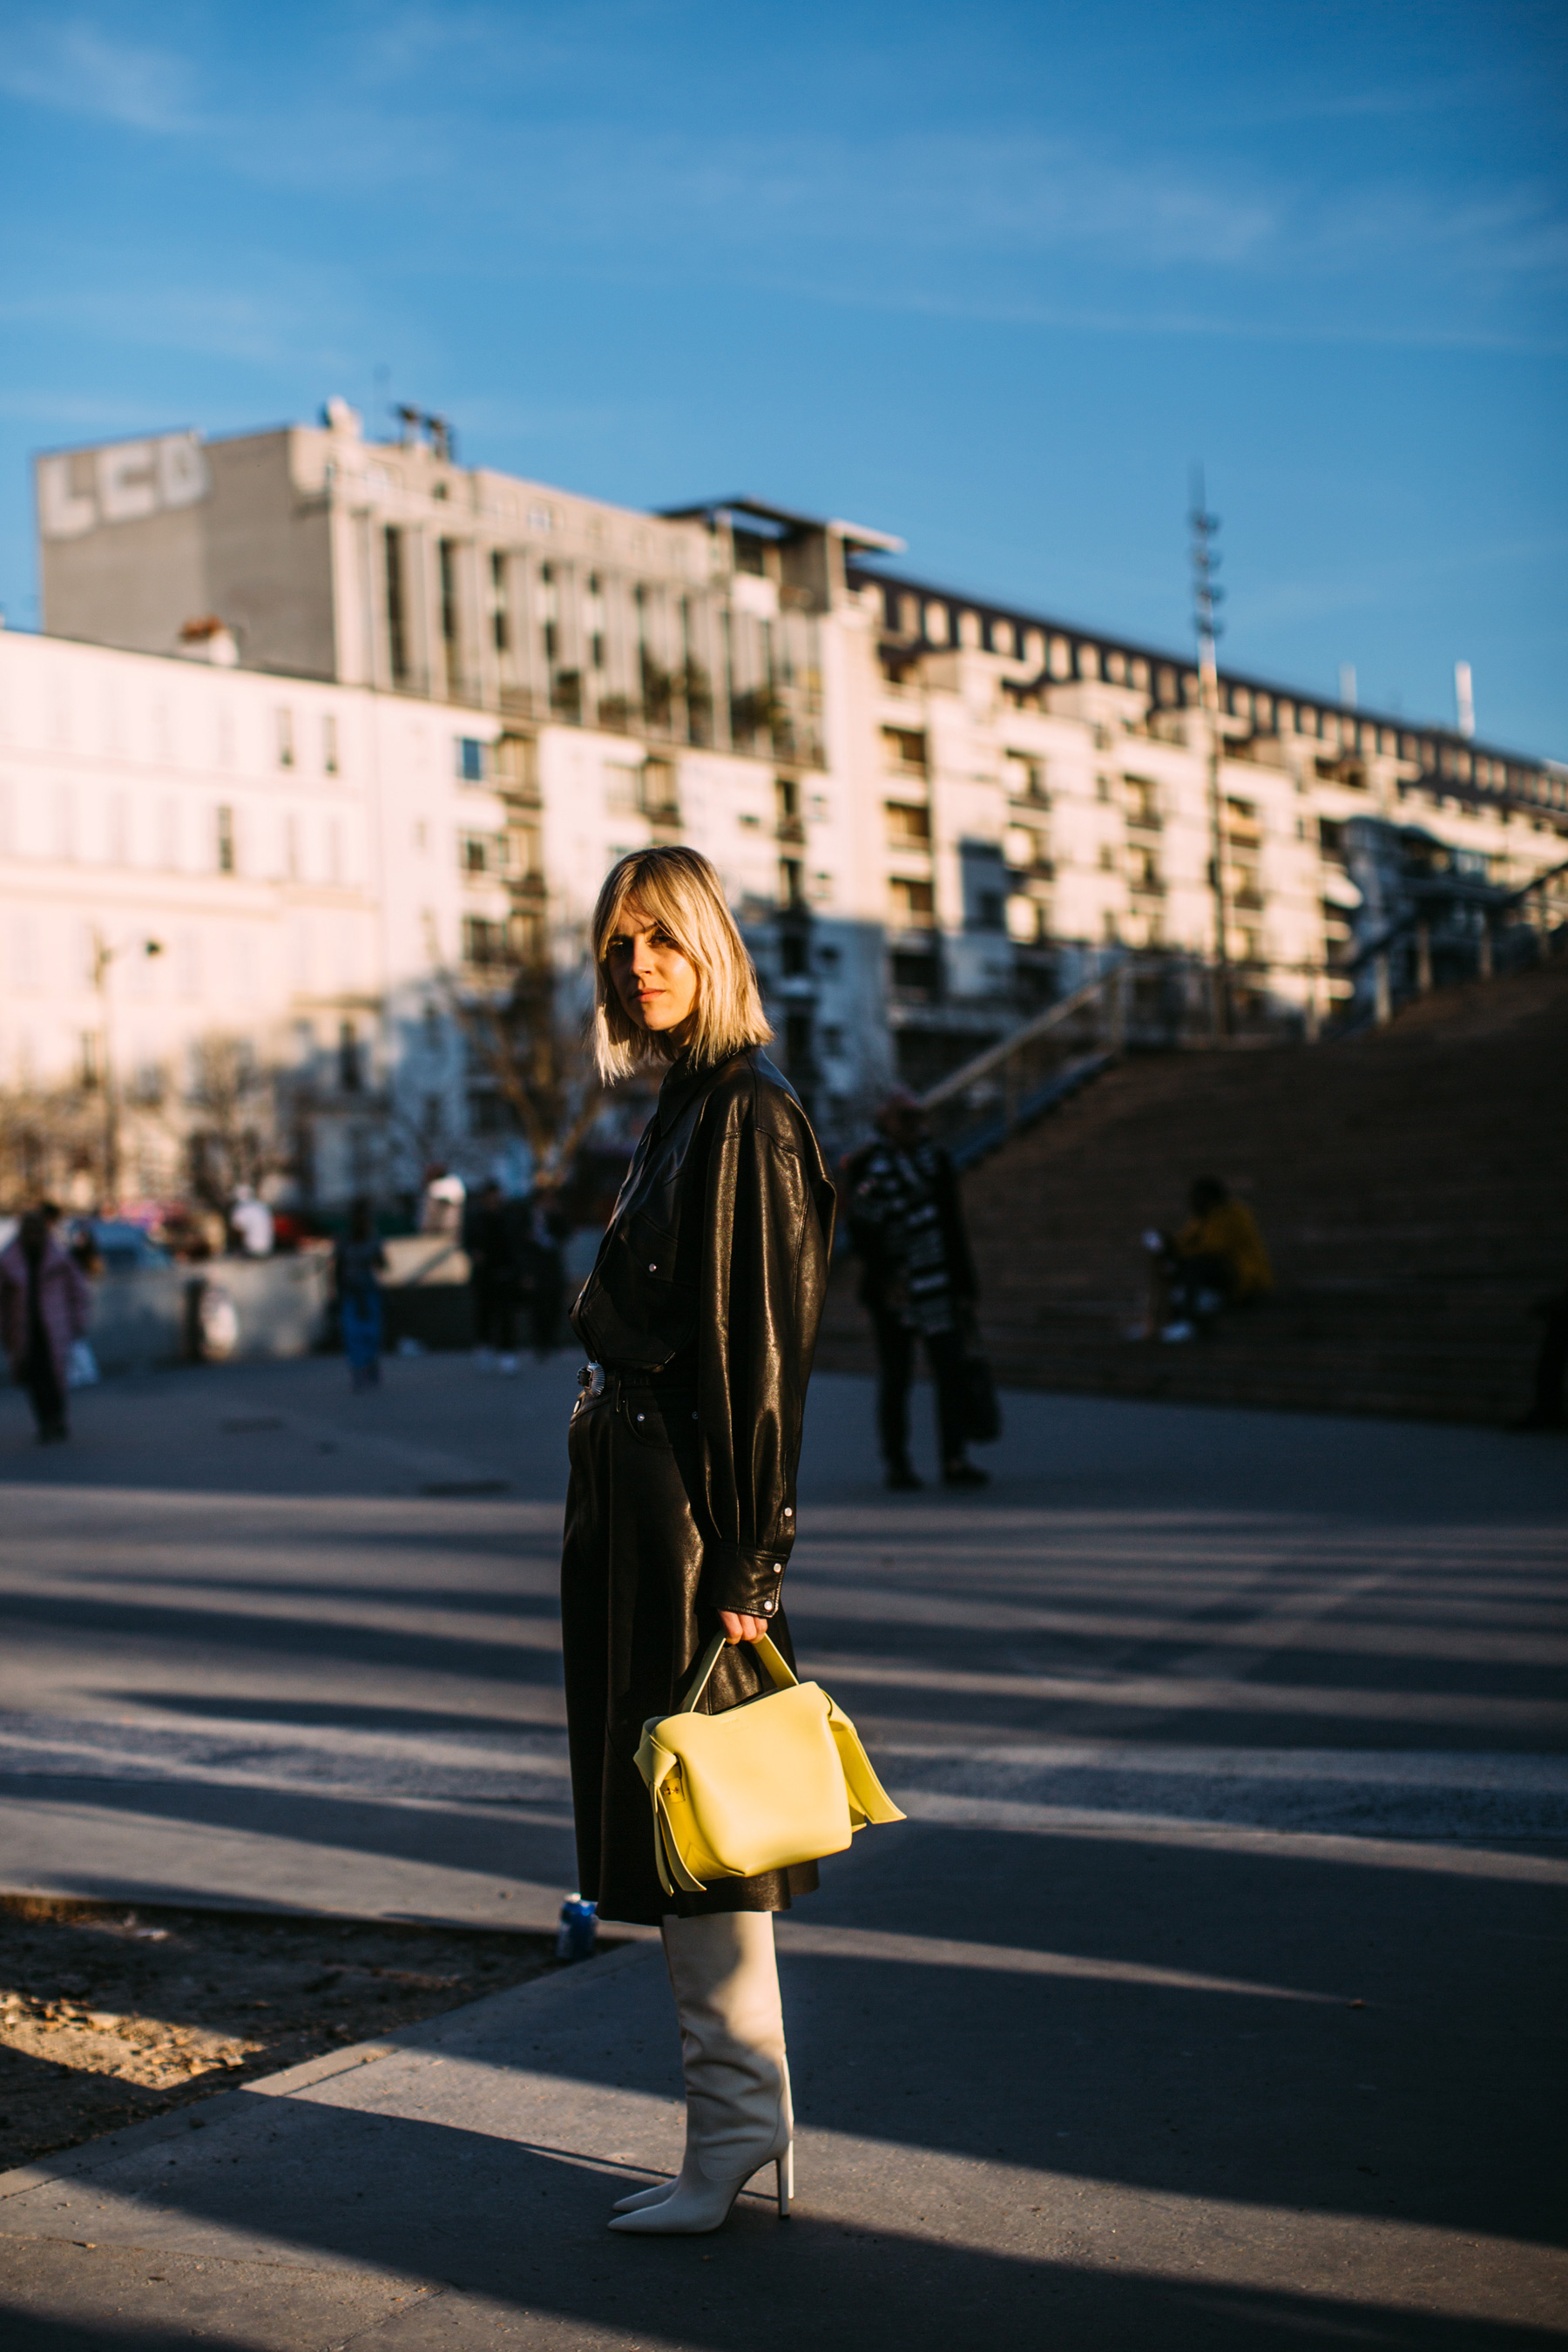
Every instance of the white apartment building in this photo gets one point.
(932, 814)
(206, 874)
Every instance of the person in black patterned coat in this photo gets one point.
(918, 1282)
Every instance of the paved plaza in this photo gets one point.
(1211, 1995)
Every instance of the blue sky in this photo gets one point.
(990, 277)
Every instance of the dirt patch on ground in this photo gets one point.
(108, 2015)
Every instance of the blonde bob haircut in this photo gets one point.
(678, 888)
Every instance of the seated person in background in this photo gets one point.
(1217, 1260)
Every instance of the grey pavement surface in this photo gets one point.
(1210, 1996)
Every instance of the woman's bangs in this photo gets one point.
(645, 883)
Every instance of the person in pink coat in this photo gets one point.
(45, 1301)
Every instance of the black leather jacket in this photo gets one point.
(711, 1278)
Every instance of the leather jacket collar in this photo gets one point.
(683, 1081)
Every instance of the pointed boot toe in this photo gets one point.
(641, 2197)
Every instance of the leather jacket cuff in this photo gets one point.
(745, 1581)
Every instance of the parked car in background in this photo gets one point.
(117, 1245)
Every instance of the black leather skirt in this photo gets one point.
(632, 1627)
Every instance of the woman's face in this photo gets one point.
(653, 978)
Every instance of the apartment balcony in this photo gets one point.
(1144, 821)
(1259, 751)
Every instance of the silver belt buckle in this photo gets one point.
(590, 1382)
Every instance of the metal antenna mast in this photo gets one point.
(1207, 596)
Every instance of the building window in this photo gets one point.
(909, 827)
(500, 616)
(396, 626)
(798, 1040)
(791, 890)
(477, 855)
(350, 1075)
(225, 840)
(329, 745)
(913, 903)
(659, 796)
(593, 616)
(548, 608)
(904, 751)
(484, 941)
(446, 556)
(285, 726)
(471, 760)
(916, 978)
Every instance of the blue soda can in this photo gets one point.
(579, 1924)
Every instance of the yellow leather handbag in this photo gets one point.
(777, 1780)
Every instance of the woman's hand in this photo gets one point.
(742, 1629)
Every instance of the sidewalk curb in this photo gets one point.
(76, 2163)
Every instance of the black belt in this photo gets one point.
(615, 1381)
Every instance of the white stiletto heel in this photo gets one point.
(738, 2112)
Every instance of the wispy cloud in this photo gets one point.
(312, 320)
(80, 69)
(472, 111)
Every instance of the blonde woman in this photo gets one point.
(698, 1321)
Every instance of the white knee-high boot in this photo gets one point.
(738, 2117)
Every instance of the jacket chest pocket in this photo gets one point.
(651, 1249)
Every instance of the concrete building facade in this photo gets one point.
(213, 882)
(933, 814)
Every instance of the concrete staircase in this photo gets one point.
(1412, 1184)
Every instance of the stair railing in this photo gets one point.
(977, 1107)
(1541, 904)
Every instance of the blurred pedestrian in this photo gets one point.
(252, 1222)
(918, 1282)
(492, 1239)
(82, 1243)
(441, 1201)
(44, 1303)
(546, 1228)
(1547, 1411)
(1217, 1260)
(358, 1261)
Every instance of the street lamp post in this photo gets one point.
(104, 957)
(1207, 595)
